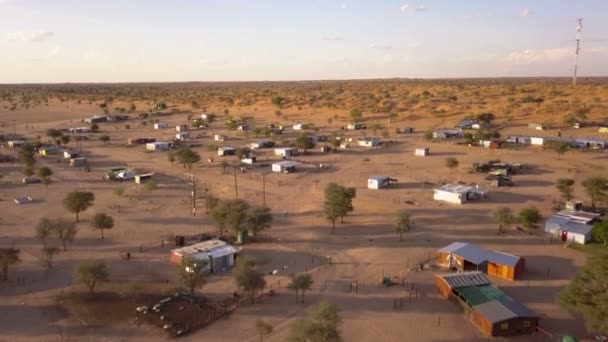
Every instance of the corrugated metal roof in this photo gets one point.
(472, 253)
(504, 258)
(465, 279)
(379, 178)
(286, 163)
(557, 222)
(502, 309)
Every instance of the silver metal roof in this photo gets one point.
(465, 279)
(502, 309)
(504, 258)
(471, 253)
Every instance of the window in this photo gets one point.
(527, 324)
(504, 326)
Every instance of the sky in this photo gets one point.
(55, 41)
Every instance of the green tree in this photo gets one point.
(300, 283)
(277, 101)
(263, 328)
(559, 147)
(78, 201)
(304, 141)
(27, 171)
(8, 257)
(45, 173)
(94, 128)
(65, 231)
(192, 274)
(257, 219)
(26, 155)
(237, 214)
(597, 188)
(49, 253)
(242, 152)
(504, 217)
(451, 163)
(428, 135)
(219, 214)
(486, 117)
(529, 217)
(247, 277)
(101, 222)
(564, 186)
(338, 202)
(43, 230)
(586, 294)
(600, 232)
(65, 139)
(104, 138)
(171, 158)
(91, 273)
(403, 224)
(356, 114)
(187, 157)
(320, 325)
(54, 133)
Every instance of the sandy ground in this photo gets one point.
(363, 248)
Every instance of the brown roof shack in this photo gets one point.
(489, 309)
(468, 257)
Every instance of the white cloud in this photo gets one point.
(332, 36)
(414, 45)
(530, 56)
(54, 52)
(525, 12)
(343, 5)
(379, 47)
(28, 37)
(411, 9)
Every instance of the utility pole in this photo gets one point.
(578, 41)
(264, 189)
(236, 189)
(193, 182)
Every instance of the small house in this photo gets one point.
(493, 144)
(250, 159)
(379, 182)
(421, 151)
(571, 226)
(219, 137)
(355, 126)
(140, 141)
(70, 154)
(504, 265)
(16, 143)
(537, 141)
(456, 133)
(181, 128)
(368, 142)
(458, 194)
(590, 143)
(46, 151)
(536, 126)
(79, 130)
(408, 130)
(519, 139)
(216, 255)
(285, 166)
(205, 116)
(467, 124)
(299, 126)
(226, 151)
(182, 136)
(462, 256)
(285, 152)
(603, 129)
(96, 119)
(243, 128)
(161, 125)
(158, 146)
(144, 177)
(78, 162)
(262, 144)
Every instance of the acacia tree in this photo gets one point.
(564, 186)
(65, 230)
(192, 273)
(597, 189)
(600, 232)
(451, 163)
(301, 282)
(91, 273)
(338, 203)
(49, 253)
(356, 114)
(560, 147)
(43, 230)
(304, 141)
(45, 173)
(101, 222)
(403, 224)
(187, 157)
(8, 257)
(320, 324)
(257, 219)
(78, 201)
(529, 217)
(586, 294)
(247, 277)
(263, 328)
(504, 217)
(171, 158)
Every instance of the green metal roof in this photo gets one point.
(476, 295)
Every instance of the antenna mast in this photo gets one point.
(578, 40)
